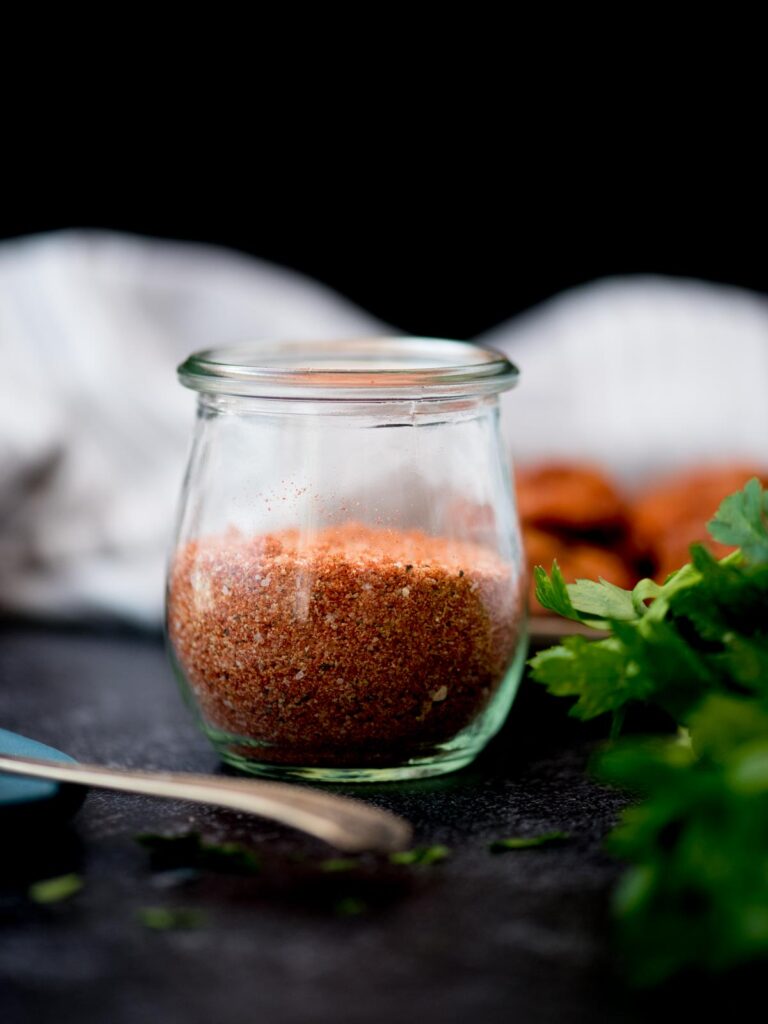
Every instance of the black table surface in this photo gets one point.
(522, 936)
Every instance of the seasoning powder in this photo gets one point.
(352, 646)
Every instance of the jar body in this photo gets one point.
(346, 595)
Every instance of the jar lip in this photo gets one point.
(370, 368)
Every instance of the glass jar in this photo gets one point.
(346, 596)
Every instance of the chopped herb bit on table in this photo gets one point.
(421, 855)
(54, 890)
(338, 864)
(165, 919)
(528, 842)
(350, 906)
(193, 851)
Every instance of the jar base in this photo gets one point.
(421, 768)
(243, 754)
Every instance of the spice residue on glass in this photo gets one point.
(351, 645)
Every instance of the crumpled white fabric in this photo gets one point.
(643, 375)
(94, 427)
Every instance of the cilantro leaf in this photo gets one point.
(528, 842)
(741, 520)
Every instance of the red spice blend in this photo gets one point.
(352, 646)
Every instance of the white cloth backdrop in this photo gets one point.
(640, 374)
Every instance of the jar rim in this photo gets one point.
(368, 368)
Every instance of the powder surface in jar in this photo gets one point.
(351, 646)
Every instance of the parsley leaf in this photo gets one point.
(599, 673)
(603, 600)
(696, 891)
(741, 521)
(727, 596)
(664, 667)
(724, 725)
(552, 592)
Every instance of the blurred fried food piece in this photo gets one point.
(569, 496)
(673, 548)
(576, 561)
(672, 515)
(573, 513)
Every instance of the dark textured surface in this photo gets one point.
(513, 937)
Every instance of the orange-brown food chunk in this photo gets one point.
(672, 515)
(569, 496)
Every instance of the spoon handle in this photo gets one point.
(349, 825)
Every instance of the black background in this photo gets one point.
(443, 172)
(444, 228)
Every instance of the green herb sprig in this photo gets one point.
(696, 646)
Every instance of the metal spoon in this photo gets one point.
(349, 825)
